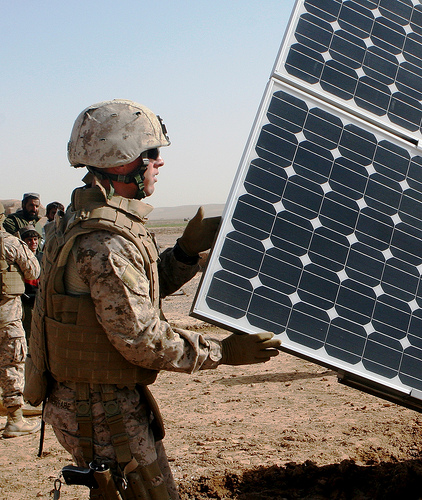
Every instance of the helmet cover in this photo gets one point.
(114, 133)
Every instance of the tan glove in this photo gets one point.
(199, 234)
(248, 349)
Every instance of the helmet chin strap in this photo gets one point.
(136, 177)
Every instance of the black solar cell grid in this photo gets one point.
(322, 245)
(366, 53)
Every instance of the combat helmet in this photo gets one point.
(114, 133)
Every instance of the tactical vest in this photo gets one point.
(77, 347)
(11, 278)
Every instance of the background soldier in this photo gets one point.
(16, 263)
(99, 304)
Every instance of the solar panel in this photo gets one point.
(321, 236)
(363, 54)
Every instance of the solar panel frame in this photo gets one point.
(330, 176)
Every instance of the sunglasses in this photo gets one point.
(153, 154)
(150, 154)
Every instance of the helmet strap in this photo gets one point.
(136, 177)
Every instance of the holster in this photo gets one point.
(141, 483)
(127, 480)
(107, 489)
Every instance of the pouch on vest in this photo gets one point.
(11, 278)
(12, 282)
(36, 383)
(37, 376)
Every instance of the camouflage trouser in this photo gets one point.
(12, 361)
(61, 414)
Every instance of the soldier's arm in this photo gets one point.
(175, 269)
(17, 252)
(113, 270)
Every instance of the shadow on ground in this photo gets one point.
(307, 481)
(273, 377)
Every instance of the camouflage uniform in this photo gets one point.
(132, 324)
(12, 335)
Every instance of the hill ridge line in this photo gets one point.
(185, 211)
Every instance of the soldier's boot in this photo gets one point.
(17, 426)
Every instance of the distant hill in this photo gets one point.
(184, 212)
(10, 206)
(162, 213)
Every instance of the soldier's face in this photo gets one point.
(150, 175)
(130, 190)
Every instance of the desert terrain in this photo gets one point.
(285, 429)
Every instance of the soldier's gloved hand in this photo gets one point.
(199, 234)
(248, 349)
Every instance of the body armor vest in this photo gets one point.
(11, 278)
(65, 327)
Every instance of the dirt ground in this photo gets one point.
(281, 430)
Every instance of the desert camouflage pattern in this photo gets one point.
(113, 133)
(18, 253)
(60, 411)
(98, 265)
(12, 362)
(124, 309)
(13, 347)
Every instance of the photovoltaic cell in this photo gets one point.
(321, 238)
(367, 54)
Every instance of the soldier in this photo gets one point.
(16, 263)
(26, 216)
(99, 305)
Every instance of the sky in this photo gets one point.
(202, 65)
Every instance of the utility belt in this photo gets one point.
(125, 479)
(157, 424)
(97, 387)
